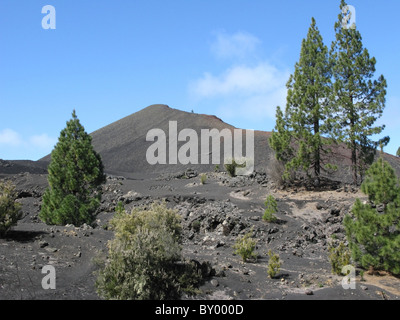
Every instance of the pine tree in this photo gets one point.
(298, 137)
(75, 178)
(357, 100)
(373, 232)
(398, 152)
(281, 138)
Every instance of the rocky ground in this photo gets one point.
(213, 214)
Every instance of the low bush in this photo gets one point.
(10, 210)
(232, 165)
(339, 256)
(245, 247)
(145, 261)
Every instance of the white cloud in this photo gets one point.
(249, 92)
(43, 141)
(16, 146)
(246, 80)
(237, 45)
(10, 137)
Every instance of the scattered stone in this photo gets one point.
(309, 292)
(214, 282)
(43, 244)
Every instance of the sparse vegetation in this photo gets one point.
(203, 178)
(119, 209)
(271, 209)
(196, 225)
(339, 256)
(145, 257)
(274, 264)
(362, 275)
(245, 247)
(231, 166)
(10, 210)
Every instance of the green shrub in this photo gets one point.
(196, 225)
(231, 166)
(119, 208)
(203, 178)
(362, 275)
(245, 247)
(145, 257)
(10, 211)
(271, 209)
(339, 256)
(216, 168)
(274, 264)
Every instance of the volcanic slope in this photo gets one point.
(123, 146)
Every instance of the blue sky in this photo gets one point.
(108, 59)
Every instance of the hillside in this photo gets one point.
(122, 144)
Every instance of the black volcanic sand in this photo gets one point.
(306, 220)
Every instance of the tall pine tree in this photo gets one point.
(357, 100)
(75, 178)
(297, 138)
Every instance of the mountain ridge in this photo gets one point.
(122, 144)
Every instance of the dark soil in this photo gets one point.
(306, 222)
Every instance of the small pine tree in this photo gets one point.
(75, 178)
(274, 264)
(373, 232)
(398, 152)
(271, 209)
(203, 178)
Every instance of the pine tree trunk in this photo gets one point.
(317, 159)
(354, 161)
(353, 142)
